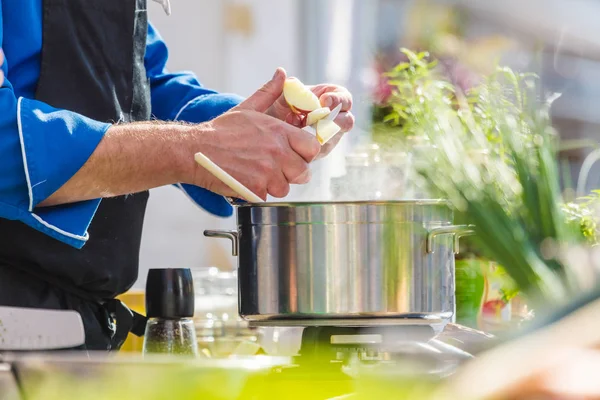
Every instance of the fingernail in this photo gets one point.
(329, 102)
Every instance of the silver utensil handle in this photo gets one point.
(458, 231)
(166, 5)
(234, 201)
(231, 235)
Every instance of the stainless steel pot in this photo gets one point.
(345, 263)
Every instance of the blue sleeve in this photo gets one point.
(41, 148)
(181, 97)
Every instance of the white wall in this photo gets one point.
(194, 35)
(251, 60)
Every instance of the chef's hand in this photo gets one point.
(263, 153)
(330, 96)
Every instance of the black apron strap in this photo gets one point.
(122, 319)
(127, 321)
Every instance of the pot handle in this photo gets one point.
(231, 235)
(457, 231)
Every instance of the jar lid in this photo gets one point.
(170, 293)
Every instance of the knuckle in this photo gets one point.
(258, 186)
(265, 89)
(273, 126)
(264, 167)
(280, 189)
(275, 149)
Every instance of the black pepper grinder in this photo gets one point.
(170, 308)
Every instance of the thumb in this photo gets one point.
(264, 98)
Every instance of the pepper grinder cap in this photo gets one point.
(170, 293)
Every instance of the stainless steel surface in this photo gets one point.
(416, 319)
(231, 235)
(33, 329)
(457, 231)
(334, 261)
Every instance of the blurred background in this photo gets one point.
(235, 45)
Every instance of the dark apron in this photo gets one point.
(93, 64)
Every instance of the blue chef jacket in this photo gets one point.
(42, 147)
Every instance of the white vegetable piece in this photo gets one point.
(317, 115)
(299, 97)
(326, 130)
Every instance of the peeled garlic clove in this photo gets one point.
(317, 115)
(326, 130)
(299, 97)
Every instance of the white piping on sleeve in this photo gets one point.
(58, 230)
(184, 107)
(20, 126)
(30, 188)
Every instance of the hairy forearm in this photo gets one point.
(132, 158)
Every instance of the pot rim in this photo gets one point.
(345, 203)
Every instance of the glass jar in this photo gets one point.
(171, 336)
(170, 308)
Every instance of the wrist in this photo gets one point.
(192, 139)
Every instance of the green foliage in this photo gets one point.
(581, 215)
(509, 289)
(416, 88)
(495, 159)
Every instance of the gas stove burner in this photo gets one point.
(416, 320)
(365, 343)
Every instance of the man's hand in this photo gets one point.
(263, 153)
(330, 96)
